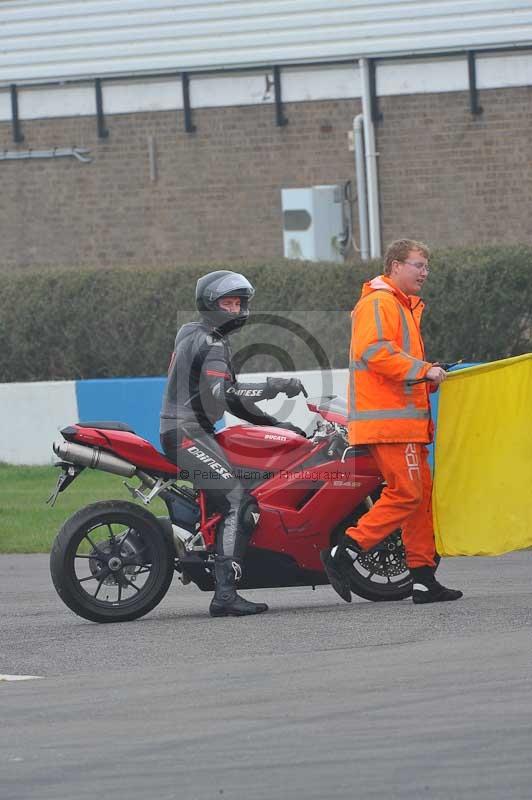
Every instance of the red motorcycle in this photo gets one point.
(114, 561)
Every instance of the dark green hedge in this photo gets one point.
(63, 324)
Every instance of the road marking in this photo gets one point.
(20, 677)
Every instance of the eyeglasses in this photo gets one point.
(419, 265)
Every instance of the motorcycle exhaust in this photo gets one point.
(94, 458)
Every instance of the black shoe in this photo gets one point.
(337, 565)
(426, 589)
(226, 602)
(237, 607)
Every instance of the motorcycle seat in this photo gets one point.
(107, 426)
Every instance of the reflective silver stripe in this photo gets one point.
(375, 347)
(351, 395)
(412, 372)
(394, 351)
(416, 365)
(389, 413)
(378, 323)
(406, 332)
(362, 365)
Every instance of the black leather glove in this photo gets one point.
(290, 387)
(289, 427)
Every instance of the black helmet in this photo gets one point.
(212, 287)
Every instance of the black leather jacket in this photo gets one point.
(202, 384)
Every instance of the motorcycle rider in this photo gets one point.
(201, 386)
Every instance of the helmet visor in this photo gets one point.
(231, 285)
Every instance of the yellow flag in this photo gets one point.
(482, 499)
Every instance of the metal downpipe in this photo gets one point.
(360, 172)
(371, 163)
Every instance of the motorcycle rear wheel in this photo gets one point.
(111, 562)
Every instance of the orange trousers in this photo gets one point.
(405, 502)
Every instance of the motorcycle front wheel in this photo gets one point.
(111, 562)
(381, 573)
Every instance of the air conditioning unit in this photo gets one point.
(313, 223)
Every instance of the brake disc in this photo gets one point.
(387, 559)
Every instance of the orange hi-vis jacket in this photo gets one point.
(386, 352)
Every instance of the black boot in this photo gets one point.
(337, 565)
(226, 602)
(426, 589)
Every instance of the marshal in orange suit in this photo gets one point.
(389, 410)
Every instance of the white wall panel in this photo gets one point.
(145, 96)
(415, 77)
(5, 106)
(325, 83)
(41, 40)
(496, 73)
(71, 101)
(213, 91)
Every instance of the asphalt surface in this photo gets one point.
(316, 699)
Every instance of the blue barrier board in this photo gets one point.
(136, 401)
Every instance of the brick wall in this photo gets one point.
(446, 177)
(450, 178)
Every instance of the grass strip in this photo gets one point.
(28, 525)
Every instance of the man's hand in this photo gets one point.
(436, 375)
(290, 387)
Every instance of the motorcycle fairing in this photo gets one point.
(295, 508)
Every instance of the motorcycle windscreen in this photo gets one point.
(331, 407)
(482, 498)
